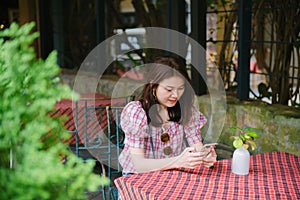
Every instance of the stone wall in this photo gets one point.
(110, 85)
(279, 126)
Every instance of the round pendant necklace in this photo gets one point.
(165, 137)
(168, 150)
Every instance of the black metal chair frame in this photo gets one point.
(107, 115)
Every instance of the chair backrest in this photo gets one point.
(94, 126)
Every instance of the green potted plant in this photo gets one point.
(30, 164)
(243, 138)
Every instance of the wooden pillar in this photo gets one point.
(28, 12)
(198, 33)
(100, 21)
(58, 29)
(244, 37)
(46, 32)
(176, 20)
(176, 15)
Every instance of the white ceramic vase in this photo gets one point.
(240, 161)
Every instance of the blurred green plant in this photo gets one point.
(244, 137)
(32, 167)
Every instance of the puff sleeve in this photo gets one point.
(192, 128)
(134, 124)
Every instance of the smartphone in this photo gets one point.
(206, 149)
(209, 145)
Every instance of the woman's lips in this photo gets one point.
(172, 101)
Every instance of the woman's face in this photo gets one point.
(170, 90)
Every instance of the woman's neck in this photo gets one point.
(163, 113)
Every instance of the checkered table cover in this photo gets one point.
(274, 175)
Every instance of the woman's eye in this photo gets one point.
(169, 90)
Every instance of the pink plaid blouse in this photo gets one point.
(134, 124)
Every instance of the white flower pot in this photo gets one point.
(240, 161)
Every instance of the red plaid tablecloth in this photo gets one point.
(273, 175)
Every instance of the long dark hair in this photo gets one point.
(163, 68)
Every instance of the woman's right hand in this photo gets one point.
(189, 158)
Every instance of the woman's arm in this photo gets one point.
(189, 158)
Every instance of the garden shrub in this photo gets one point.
(32, 168)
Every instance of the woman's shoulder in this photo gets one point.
(134, 105)
(134, 109)
(133, 116)
(198, 115)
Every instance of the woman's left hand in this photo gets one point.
(210, 159)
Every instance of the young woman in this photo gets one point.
(158, 124)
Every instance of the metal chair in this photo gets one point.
(116, 138)
(98, 136)
(93, 124)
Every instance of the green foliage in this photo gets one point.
(245, 136)
(29, 90)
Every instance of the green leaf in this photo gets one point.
(248, 129)
(247, 137)
(252, 134)
(242, 137)
(233, 129)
